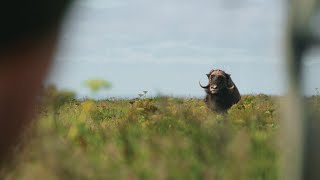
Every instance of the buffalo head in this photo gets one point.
(218, 81)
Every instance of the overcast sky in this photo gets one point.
(168, 46)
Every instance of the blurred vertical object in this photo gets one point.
(28, 36)
(301, 158)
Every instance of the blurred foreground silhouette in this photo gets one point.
(28, 36)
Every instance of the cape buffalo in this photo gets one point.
(221, 92)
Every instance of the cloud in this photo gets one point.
(188, 31)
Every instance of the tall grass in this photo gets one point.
(152, 138)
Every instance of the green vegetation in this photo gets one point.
(97, 84)
(152, 138)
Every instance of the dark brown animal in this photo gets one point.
(221, 92)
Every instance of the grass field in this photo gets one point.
(152, 138)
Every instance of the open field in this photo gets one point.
(153, 138)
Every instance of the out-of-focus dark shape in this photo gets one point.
(29, 19)
(28, 36)
(301, 150)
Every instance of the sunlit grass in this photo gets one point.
(153, 138)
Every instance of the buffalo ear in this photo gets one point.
(210, 73)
